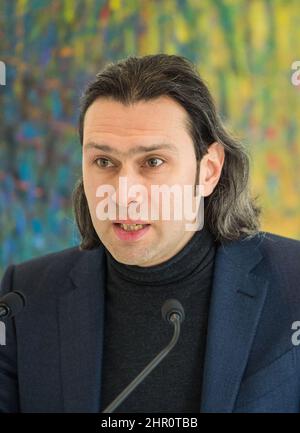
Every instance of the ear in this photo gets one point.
(211, 167)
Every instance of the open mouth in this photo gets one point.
(131, 227)
(130, 232)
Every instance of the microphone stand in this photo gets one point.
(175, 319)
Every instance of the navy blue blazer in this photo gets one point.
(52, 358)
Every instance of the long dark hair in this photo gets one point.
(229, 212)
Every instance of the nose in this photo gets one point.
(130, 189)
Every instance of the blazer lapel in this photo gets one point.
(237, 300)
(81, 313)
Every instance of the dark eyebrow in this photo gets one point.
(133, 151)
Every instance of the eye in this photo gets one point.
(155, 165)
(101, 160)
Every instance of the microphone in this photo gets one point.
(11, 304)
(173, 312)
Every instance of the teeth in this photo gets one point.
(132, 227)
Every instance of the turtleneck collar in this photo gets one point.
(192, 259)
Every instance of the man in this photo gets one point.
(92, 320)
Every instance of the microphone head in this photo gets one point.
(13, 303)
(170, 307)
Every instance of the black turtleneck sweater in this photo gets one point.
(134, 331)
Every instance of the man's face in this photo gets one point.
(123, 129)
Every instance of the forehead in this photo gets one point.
(161, 118)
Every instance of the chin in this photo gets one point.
(127, 261)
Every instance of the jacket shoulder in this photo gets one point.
(276, 239)
(271, 254)
(52, 266)
(281, 249)
(280, 264)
